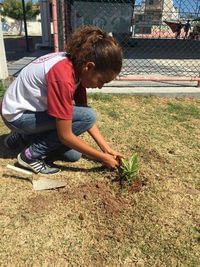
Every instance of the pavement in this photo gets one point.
(142, 88)
(149, 88)
(15, 46)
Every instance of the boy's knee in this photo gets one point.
(91, 116)
(71, 155)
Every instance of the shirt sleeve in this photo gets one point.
(80, 96)
(60, 100)
(60, 91)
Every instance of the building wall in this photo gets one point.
(12, 27)
(149, 19)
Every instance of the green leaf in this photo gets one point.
(129, 167)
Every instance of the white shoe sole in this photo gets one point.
(28, 166)
(24, 164)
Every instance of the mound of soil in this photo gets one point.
(99, 193)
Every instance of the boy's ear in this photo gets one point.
(89, 65)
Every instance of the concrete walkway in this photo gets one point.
(147, 88)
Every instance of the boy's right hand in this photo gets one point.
(110, 162)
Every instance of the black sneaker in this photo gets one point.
(13, 140)
(36, 165)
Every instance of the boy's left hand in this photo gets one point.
(114, 153)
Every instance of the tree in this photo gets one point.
(14, 9)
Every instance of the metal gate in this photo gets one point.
(158, 37)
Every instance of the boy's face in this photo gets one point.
(90, 78)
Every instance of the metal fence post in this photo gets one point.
(55, 25)
(46, 23)
(3, 64)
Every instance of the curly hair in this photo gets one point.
(90, 43)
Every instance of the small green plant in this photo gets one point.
(128, 168)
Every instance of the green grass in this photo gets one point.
(178, 112)
(2, 88)
(92, 222)
(101, 97)
(183, 112)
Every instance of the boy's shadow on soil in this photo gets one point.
(6, 153)
(81, 169)
(85, 170)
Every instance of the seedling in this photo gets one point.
(128, 168)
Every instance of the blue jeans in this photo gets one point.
(40, 128)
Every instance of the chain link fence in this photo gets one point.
(159, 37)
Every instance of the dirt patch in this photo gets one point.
(135, 187)
(39, 203)
(101, 195)
(149, 154)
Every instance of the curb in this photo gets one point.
(161, 91)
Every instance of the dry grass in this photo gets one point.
(92, 222)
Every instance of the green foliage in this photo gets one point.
(129, 168)
(101, 97)
(13, 9)
(30, 12)
(2, 19)
(183, 112)
(2, 89)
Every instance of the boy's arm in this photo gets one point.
(67, 137)
(99, 139)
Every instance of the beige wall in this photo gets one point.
(12, 27)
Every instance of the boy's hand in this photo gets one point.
(110, 161)
(119, 159)
(114, 153)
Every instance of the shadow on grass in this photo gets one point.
(80, 169)
(5, 153)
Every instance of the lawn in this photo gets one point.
(1, 88)
(94, 221)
